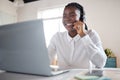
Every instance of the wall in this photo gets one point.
(8, 12)
(101, 15)
(29, 11)
(7, 6)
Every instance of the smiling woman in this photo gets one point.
(76, 45)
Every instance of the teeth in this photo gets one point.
(69, 24)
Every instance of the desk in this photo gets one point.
(113, 73)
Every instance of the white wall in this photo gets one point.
(102, 15)
(29, 11)
(7, 6)
(8, 12)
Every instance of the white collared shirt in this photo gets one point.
(77, 52)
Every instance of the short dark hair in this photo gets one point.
(80, 8)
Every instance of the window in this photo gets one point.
(52, 21)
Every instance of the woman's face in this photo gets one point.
(70, 16)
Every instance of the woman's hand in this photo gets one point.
(80, 28)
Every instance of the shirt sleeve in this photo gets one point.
(94, 49)
(52, 49)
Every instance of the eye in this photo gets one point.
(72, 15)
(64, 16)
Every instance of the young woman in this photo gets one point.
(77, 47)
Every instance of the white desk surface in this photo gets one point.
(113, 73)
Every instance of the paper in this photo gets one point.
(81, 77)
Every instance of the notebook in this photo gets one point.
(23, 49)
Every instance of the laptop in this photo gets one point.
(23, 49)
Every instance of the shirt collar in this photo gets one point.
(77, 37)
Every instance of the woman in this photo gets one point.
(77, 47)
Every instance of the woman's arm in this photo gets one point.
(52, 51)
(94, 48)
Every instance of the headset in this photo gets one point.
(82, 18)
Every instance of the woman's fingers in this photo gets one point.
(78, 26)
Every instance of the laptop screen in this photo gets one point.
(23, 48)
